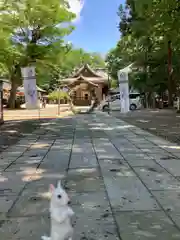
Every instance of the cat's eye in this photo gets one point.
(59, 196)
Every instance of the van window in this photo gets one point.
(114, 97)
(134, 95)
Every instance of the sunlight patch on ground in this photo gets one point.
(142, 121)
(171, 147)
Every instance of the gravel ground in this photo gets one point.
(164, 123)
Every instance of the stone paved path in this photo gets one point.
(124, 183)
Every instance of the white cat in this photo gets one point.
(61, 213)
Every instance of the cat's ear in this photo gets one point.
(51, 188)
(59, 184)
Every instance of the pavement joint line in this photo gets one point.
(49, 149)
(18, 196)
(70, 155)
(76, 168)
(27, 216)
(106, 192)
(141, 211)
(151, 193)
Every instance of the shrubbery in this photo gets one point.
(54, 96)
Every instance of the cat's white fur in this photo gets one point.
(61, 213)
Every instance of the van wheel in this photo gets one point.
(105, 108)
(133, 107)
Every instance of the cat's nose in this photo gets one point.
(69, 202)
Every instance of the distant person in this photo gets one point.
(44, 103)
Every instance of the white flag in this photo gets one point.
(30, 90)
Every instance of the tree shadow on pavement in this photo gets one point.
(12, 131)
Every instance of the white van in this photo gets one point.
(114, 102)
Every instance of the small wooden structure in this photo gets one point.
(1, 102)
(87, 85)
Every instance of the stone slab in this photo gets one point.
(36, 203)
(97, 134)
(41, 185)
(153, 150)
(33, 152)
(141, 162)
(173, 166)
(25, 228)
(62, 145)
(129, 194)
(159, 157)
(12, 184)
(6, 202)
(83, 155)
(42, 145)
(135, 156)
(14, 154)
(94, 226)
(146, 225)
(56, 160)
(175, 217)
(30, 166)
(105, 149)
(156, 178)
(84, 180)
(126, 149)
(169, 200)
(17, 148)
(5, 162)
(113, 168)
(29, 159)
(89, 201)
(142, 144)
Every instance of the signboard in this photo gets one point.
(30, 90)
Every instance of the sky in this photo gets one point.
(96, 24)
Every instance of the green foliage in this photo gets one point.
(32, 33)
(78, 57)
(146, 27)
(67, 62)
(114, 83)
(58, 95)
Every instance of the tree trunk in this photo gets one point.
(153, 100)
(12, 97)
(146, 100)
(149, 99)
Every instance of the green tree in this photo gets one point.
(148, 28)
(36, 30)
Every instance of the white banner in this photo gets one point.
(30, 90)
(124, 91)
